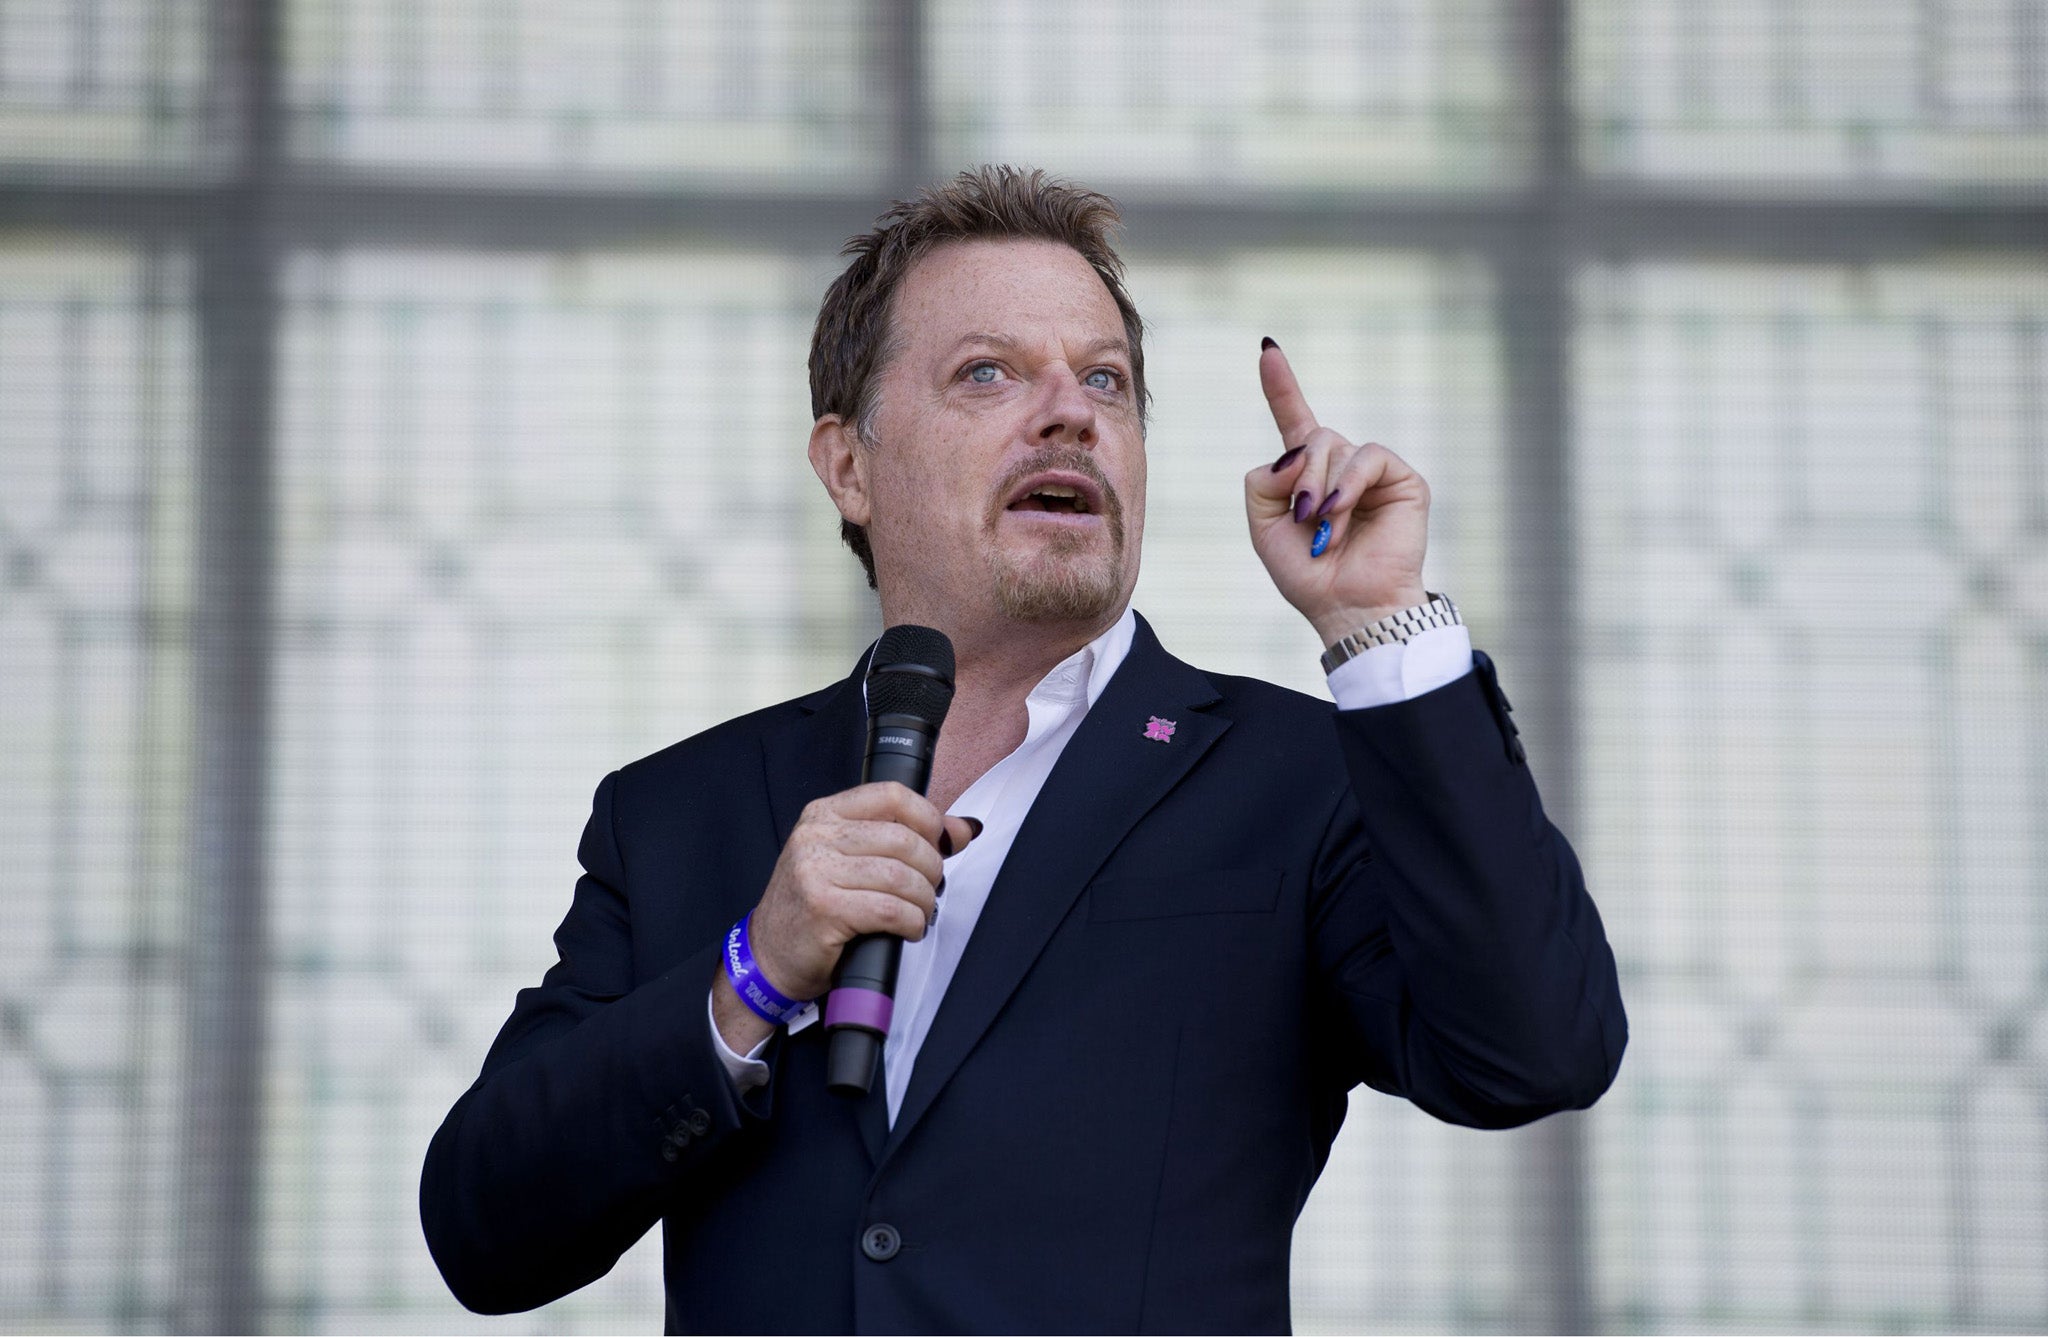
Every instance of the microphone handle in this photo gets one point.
(858, 1011)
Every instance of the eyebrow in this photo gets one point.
(1109, 344)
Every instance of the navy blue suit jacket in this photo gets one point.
(1194, 950)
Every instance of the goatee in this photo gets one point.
(1066, 578)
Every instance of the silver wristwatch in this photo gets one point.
(1395, 629)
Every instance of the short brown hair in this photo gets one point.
(852, 344)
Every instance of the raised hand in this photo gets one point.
(1369, 561)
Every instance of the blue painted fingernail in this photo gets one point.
(1321, 541)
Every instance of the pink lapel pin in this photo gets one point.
(1158, 730)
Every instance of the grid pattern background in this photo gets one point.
(768, 92)
(96, 375)
(1816, 688)
(401, 424)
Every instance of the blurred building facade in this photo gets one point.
(402, 411)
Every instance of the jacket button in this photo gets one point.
(699, 1122)
(880, 1242)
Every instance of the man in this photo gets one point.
(1182, 913)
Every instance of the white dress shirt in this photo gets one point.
(1002, 797)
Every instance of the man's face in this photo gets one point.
(1006, 471)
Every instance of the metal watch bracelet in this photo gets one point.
(1394, 629)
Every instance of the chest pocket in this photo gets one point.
(1216, 891)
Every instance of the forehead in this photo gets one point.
(1018, 288)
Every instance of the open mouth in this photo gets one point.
(1069, 494)
(1054, 498)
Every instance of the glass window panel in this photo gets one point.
(96, 434)
(102, 82)
(1248, 95)
(766, 93)
(1814, 518)
(540, 515)
(1769, 94)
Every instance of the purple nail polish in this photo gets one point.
(1321, 542)
(1287, 458)
(974, 822)
(1266, 343)
(1329, 502)
(945, 843)
(1301, 505)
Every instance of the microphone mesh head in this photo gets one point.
(896, 686)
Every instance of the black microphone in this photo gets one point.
(910, 687)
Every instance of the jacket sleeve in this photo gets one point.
(1457, 948)
(600, 1100)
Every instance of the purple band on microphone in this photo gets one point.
(864, 1008)
(762, 998)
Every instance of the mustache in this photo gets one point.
(1071, 459)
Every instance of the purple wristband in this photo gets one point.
(762, 998)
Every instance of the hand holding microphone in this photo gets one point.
(861, 864)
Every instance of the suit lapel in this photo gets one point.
(816, 753)
(1110, 775)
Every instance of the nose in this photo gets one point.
(1067, 414)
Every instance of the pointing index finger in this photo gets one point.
(1283, 395)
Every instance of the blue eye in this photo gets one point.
(974, 373)
(1103, 379)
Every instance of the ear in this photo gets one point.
(840, 462)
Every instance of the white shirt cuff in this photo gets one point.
(1386, 674)
(746, 1070)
